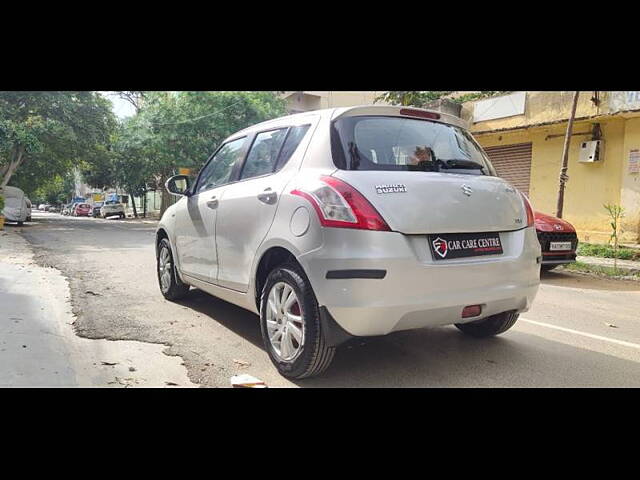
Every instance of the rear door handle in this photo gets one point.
(212, 203)
(268, 196)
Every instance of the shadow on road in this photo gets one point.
(238, 320)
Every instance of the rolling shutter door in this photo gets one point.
(513, 163)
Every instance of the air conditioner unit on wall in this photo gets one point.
(592, 151)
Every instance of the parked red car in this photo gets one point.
(82, 210)
(558, 240)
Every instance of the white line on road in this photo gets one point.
(584, 334)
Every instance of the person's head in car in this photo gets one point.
(420, 155)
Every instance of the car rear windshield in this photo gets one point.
(397, 144)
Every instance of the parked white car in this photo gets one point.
(15, 205)
(351, 222)
(112, 208)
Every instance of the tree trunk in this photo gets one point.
(14, 163)
(565, 157)
(133, 204)
(144, 205)
(166, 198)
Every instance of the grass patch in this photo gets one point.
(606, 251)
(601, 270)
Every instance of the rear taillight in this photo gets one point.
(339, 205)
(527, 206)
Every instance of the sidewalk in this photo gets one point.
(38, 346)
(628, 266)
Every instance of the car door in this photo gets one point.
(196, 213)
(249, 205)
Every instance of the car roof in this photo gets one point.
(11, 192)
(358, 110)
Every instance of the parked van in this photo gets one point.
(15, 205)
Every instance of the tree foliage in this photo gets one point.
(49, 132)
(422, 98)
(134, 97)
(182, 129)
(44, 136)
(411, 98)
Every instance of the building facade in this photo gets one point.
(315, 100)
(523, 134)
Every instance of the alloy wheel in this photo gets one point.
(164, 267)
(285, 325)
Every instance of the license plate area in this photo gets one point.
(559, 246)
(445, 246)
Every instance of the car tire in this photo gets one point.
(547, 268)
(313, 355)
(490, 326)
(173, 288)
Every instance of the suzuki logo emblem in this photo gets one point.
(466, 189)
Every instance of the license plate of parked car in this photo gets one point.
(560, 246)
(446, 245)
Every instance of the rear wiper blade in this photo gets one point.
(460, 163)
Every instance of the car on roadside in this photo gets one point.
(82, 210)
(558, 241)
(15, 205)
(112, 208)
(95, 212)
(41, 207)
(351, 222)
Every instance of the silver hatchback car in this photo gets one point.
(352, 222)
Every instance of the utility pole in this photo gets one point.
(565, 157)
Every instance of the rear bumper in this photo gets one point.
(558, 259)
(415, 290)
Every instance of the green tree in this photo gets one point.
(97, 167)
(181, 129)
(50, 132)
(134, 97)
(411, 98)
(131, 160)
(53, 191)
(422, 98)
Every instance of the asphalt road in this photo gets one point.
(581, 331)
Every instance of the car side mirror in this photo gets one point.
(178, 185)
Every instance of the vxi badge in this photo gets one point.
(397, 188)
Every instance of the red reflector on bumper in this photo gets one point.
(471, 311)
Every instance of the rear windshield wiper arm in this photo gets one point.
(462, 164)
